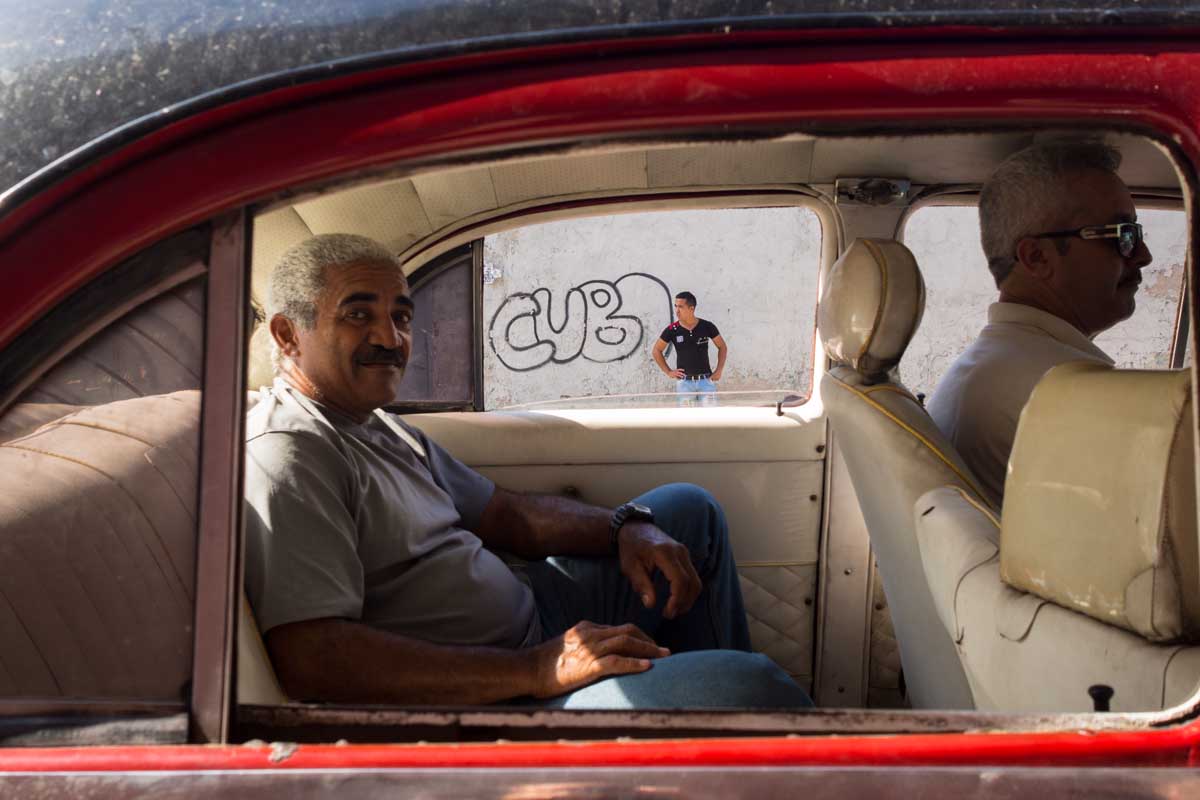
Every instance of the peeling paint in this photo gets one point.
(282, 751)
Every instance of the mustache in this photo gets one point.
(382, 355)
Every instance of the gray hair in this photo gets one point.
(300, 274)
(1024, 195)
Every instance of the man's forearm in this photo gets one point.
(661, 360)
(340, 661)
(721, 353)
(538, 525)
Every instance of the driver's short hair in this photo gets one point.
(301, 273)
(1025, 195)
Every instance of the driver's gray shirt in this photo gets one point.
(368, 522)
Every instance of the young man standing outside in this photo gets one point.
(690, 335)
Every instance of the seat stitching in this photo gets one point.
(881, 262)
(106, 429)
(958, 628)
(1162, 701)
(991, 516)
(928, 444)
(32, 641)
(889, 388)
(119, 485)
(778, 601)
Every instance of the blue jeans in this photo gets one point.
(710, 664)
(696, 391)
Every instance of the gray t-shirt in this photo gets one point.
(367, 521)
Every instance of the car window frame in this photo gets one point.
(950, 722)
(53, 338)
(379, 723)
(469, 255)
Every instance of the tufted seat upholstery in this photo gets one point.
(870, 308)
(1091, 576)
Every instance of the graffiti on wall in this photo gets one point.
(600, 321)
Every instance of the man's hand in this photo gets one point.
(589, 652)
(716, 376)
(675, 373)
(642, 548)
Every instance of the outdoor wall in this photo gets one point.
(959, 289)
(572, 309)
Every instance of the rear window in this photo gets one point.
(572, 309)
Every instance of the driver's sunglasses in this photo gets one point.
(1128, 235)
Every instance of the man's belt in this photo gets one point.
(701, 377)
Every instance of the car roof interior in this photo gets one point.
(431, 211)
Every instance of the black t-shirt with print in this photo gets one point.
(692, 346)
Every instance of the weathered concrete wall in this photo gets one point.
(571, 309)
(959, 287)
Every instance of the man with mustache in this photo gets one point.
(1060, 232)
(369, 549)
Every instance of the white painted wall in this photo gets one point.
(754, 272)
(571, 309)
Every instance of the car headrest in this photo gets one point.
(1100, 503)
(259, 371)
(871, 305)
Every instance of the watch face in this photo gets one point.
(641, 509)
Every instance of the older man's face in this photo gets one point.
(1093, 276)
(355, 355)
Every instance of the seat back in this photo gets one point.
(870, 307)
(1091, 575)
(256, 680)
(1103, 463)
(97, 551)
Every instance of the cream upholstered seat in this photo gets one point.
(1091, 577)
(257, 683)
(870, 308)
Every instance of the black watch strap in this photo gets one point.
(624, 513)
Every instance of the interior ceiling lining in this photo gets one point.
(738, 163)
(450, 197)
(430, 207)
(532, 180)
(630, 201)
(391, 213)
(274, 233)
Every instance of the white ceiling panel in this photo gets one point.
(731, 164)
(451, 196)
(530, 180)
(390, 213)
(958, 158)
(274, 233)
(1144, 164)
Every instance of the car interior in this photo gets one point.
(874, 569)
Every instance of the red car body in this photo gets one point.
(58, 233)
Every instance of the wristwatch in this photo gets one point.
(623, 514)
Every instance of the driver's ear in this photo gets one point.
(1032, 254)
(284, 332)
